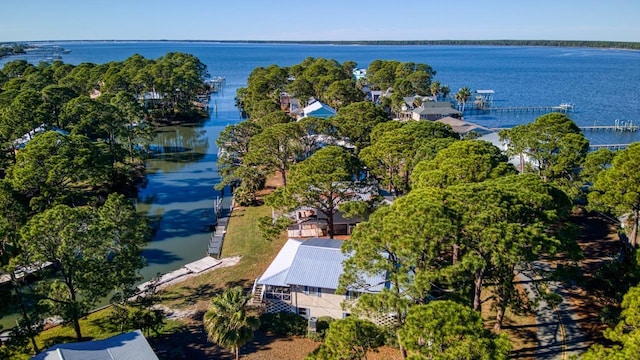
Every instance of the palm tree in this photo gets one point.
(227, 322)
(435, 89)
(462, 96)
(444, 91)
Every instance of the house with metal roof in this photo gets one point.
(317, 109)
(462, 127)
(435, 110)
(308, 221)
(303, 278)
(129, 346)
(21, 142)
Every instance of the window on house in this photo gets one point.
(352, 295)
(303, 312)
(345, 315)
(312, 290)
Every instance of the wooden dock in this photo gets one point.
(216, 83)
(23, 271)
(221, 220)
(612, 128)
(612, 147)
(621, 127)
(563, 108)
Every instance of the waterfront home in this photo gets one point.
(463, 128)
(318, 109)
(519, 161)
(308, 221)
(22, 141)
(359, 74)
(290, 104)
(435, 110)
(150, 98)
(132, 345)
(303, 278)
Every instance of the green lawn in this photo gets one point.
(94, 327)
(242, 238)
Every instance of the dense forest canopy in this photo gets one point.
(463, 222)
(73, 140)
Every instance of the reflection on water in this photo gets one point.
(177, 145)
(178, 195)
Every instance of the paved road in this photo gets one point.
(559, 336)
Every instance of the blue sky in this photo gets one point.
(26, 20)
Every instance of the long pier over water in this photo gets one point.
(618, 127)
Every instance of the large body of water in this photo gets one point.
(601, 83)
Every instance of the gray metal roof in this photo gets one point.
(316, 262)
(129, 346)
(277, 271)
(436, 110)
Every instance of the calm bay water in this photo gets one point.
(179, 190)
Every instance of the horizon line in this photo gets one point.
(327, 41)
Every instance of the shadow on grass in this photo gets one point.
(61, 340)
(201, 292)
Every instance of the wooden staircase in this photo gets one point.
(256, 295)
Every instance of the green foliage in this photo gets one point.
(553, 143)
(51, 166)
(406, 78)
(448, 330)
(350, 338)
(284, 323)
(462, 96)
(323, 181)
(390, 157)
(467, 161)
(270, 229)
(355, 122)
(625, 335)
(596, 162)
(430, 147)
(227, 322)
(613, 280)
(275, 148)
(407, 241)
(618, 187)
(94, 251)
(440, 243)
(313, 132)
(322, 326)
(342, 93)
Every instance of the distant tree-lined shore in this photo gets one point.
(551, 43)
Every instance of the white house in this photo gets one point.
(317, 109)
(303, 279)
(518, 161)
(21, 142)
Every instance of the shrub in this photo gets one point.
(321, 328)
(284, 323)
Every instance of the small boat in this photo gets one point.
(566, 106)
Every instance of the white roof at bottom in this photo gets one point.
(129, 346)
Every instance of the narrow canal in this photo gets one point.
(178, 193)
